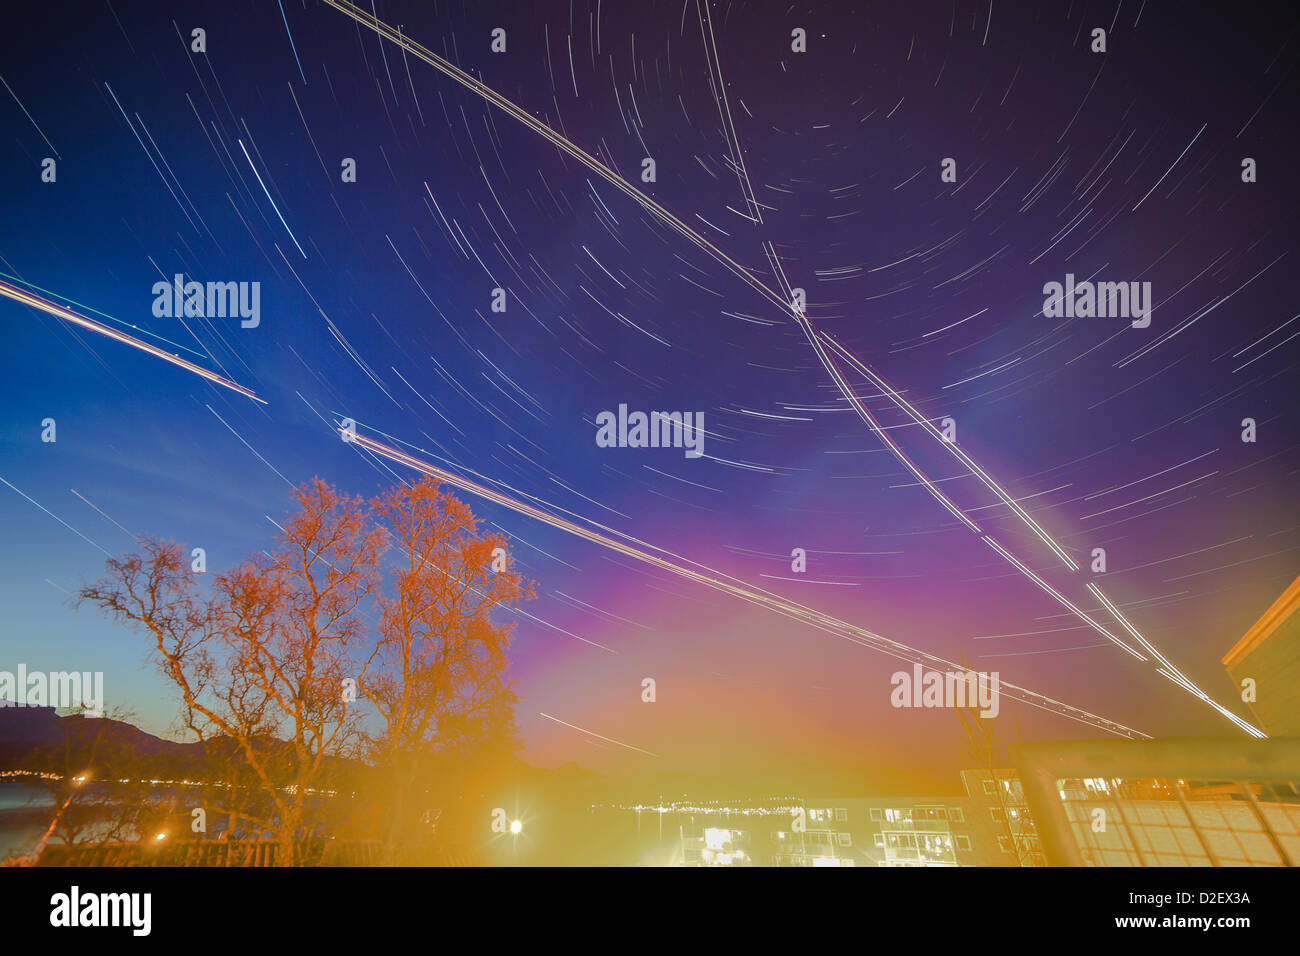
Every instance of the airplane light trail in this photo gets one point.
(1060, 598)
(1169, 670)
(965, 459)
(786, 303)
(715, 580)
(592, 733)
(62, 312)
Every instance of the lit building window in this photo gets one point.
(716, 839)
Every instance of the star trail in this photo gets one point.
(986, 324)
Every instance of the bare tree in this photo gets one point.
(437, 678)
(262, 657)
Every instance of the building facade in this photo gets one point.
(970, 830)
(1176, 802)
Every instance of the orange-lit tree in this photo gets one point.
(437, 678)
(262, 657)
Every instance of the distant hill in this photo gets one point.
(24, 730)
(28, 733)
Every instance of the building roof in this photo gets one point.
(1278, 613)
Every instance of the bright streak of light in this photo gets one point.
(956, 451)
(715, 580)
(292, 45)
(29, 116)
(84, 307)
(867, 417)
(568, 146)
(1047, 588)
(268, 196)
(786, 303)
(591, 734)
(1169, 670)
(56, 517)
(62, 312)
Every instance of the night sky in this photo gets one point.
(376, 305)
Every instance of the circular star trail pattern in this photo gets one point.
(818, 170)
